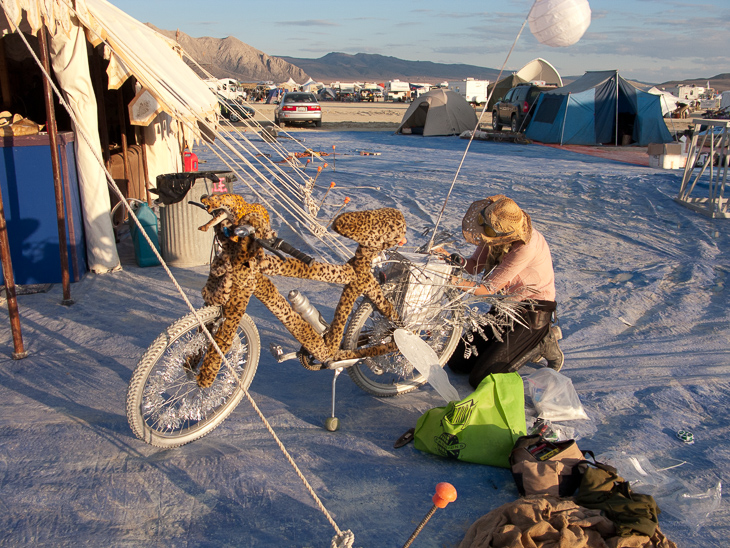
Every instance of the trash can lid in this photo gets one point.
(172, 187)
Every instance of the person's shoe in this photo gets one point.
(550, 350)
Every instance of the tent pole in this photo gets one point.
(616, 130)
(145, 168)
(56, 164)
(565, 115)
(123, 136)
(19, 350)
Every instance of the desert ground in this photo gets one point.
(383, 116)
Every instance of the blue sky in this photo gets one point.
(647, 40)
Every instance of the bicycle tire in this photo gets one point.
(391, 374)
(165, 405)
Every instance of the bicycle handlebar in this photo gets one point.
(274, 245)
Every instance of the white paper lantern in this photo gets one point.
(559, 23)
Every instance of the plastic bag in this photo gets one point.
(685, 502)
(554, 396)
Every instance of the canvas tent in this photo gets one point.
(438, 112)
(598, 108)
(174, 98)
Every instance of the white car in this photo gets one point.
(298, 107)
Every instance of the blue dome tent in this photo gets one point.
(598, 108)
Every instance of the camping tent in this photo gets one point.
(326, 94)
(598, 108)
(438, 112)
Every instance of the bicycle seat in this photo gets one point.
(375, 228)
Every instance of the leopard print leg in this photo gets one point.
(267, 293)
(233, 311)
(333, 336)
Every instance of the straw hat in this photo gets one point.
(497, 215)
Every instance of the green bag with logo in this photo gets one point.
(481, 428)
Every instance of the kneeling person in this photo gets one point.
(516, 258)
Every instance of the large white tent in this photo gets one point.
(174, 94)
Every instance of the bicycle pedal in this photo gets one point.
(278, 352)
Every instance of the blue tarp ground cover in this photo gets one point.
(598, 108)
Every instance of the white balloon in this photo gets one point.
(559, 23)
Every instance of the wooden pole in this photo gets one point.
(19, 352)
(57, 186)
(123, 130)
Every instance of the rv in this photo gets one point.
(227, 87)
(474, 91)
(395, 90)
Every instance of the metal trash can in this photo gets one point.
(181, 243)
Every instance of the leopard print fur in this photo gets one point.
(241, 270)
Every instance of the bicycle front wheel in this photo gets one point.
(392, 374)
(165, 405)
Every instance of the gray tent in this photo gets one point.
(438, 112)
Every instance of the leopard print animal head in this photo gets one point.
(231, 210)
(374, 228)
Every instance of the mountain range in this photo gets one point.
(229, 57)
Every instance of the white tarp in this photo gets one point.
(133, 49)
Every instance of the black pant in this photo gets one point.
(496, 356)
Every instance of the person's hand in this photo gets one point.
(438, 251)
(456, 260)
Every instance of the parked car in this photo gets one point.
(515, 109)
(298, 107)
(235, 111)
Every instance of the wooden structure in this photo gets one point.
(707, 168)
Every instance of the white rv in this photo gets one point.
(227, 87)
(395, 90)
(474, 91)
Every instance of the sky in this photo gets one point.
(648, 40)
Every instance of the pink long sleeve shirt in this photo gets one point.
(526, 271)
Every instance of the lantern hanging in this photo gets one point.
(559, 23)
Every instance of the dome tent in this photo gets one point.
(438, 112)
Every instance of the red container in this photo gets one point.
(191, 161)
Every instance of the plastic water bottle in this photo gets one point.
(306, 310)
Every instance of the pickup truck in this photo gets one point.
(514, 110)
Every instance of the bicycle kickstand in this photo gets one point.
(333, 423)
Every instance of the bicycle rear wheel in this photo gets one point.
(165, 405)
(391, 374)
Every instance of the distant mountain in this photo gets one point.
(720, 82)
(380, 68)
(229, 57)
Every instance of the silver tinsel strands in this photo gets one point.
(173, 398)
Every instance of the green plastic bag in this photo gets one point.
(481, 428)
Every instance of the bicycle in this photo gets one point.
(177, 393)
